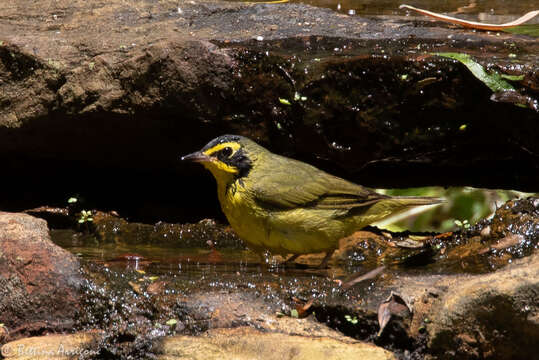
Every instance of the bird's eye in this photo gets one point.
(226, 151)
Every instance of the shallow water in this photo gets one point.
(226, 263)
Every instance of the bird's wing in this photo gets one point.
(301, 185)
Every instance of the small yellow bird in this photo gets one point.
(289, 207)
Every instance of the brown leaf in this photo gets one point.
(410, 244)
(303, 308)
(394, 305)
(508, 241)
(444, 235)
(384, 315)
(473, 24)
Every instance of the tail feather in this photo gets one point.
(389, 207)
(417, 200)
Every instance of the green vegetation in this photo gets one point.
(528, 29)
(494, 80)
(350, 319)
(85, 216)
(463, 208)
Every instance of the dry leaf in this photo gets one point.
(301, 308)
(393, 305)
(410, 244)
(473, 24)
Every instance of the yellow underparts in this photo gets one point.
(296, 231)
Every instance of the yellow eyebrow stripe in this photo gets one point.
(233, 145)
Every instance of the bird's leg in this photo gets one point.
(291, 259)
(324, 263)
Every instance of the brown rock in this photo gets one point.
(248, 343)
(39, 281)
(488, 316)
(56, 347)
(87, 84)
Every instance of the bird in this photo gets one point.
(288, 207)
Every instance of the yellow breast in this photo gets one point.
(298, 231)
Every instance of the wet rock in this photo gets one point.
(39, 281)
(111, 228)
(246, 342)
(490, 316)
(368, 100)
(517, 217)
(58, 347)
(434, 306)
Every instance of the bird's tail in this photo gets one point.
(407, 201)
(392, 206)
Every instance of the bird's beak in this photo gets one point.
(196, 157)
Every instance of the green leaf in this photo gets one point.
(512, 77)
(72, 200)
(294, 313)
(172, 322)
(284, 102)
(494, 81)
(528, 29)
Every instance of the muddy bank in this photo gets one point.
(114, 92)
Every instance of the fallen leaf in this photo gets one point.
(508, 241)
(503, 91)
(410, 244)
(303, 309)
(394, 305)
(444, 235)
(528, 29)
(494, 81)
(473, 24)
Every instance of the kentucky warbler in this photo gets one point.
(289, 207)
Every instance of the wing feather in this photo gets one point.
(296, 184)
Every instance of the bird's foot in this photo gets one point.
(291, 259)
(324, 263)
